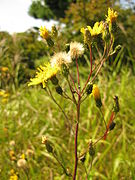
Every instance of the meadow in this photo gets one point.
(30, 113)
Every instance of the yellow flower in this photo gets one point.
(44, 32)
(112, 15)
(2, 92)
(4, 69)
(13, 177)
(22, 156)
(43, 74)
(97, 29)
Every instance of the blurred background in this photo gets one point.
(28, 113)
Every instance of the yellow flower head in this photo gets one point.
(112, 16)
(4, 69)
(96, 92)
(43, 74)
(97, 29)
(44, 33)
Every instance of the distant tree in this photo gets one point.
(48, 9)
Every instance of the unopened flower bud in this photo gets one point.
(50, 42)
(91, 149)
(47, 143)
(116, 107)
(89, 88)
(54, 80)
(87, 35)
(82, 158)
(54, 31)
(59, 90)
(112, 125)
(96, 95)
(65, 70)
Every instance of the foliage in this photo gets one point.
(48, 9)
(19, 52)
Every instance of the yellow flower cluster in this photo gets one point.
(44, 33)
(97, 28)
(13, 175)
(4, 95)
(43, 74)
(112, 16)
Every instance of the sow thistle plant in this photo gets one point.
(61, 64)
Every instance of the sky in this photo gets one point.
(14, 16)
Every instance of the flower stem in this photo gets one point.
(76, 137)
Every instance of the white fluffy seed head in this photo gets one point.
(22, 163)
(76, 50)
(60, 58)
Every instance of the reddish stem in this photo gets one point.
(76, 137)
(110, 121)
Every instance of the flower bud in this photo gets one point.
(54, 31)
(89, 88)
(65, 70)
(116, 107)
(47, 143)
(96, 95)
(91, 150)
(82, 158)
(50, 42)
(112, 125)
(87, 35)
(59, 89)
(54, 80)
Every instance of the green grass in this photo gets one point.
(30, 113)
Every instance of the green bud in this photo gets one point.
(65, 70)
(59, 90)
(54, 80)
(49, 148)
(116, 106)
(50, 42)
(54, 32)
(91, 150)
(98, 103)
(112, 125)
(89, 88)
(82, 158)
(87, 37)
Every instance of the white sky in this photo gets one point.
(14, 16)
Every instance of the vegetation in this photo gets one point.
(28, 114)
